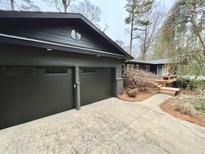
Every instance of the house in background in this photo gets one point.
(53, 62)
(160, 67)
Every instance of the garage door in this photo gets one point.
(96, 84)
(28, 93)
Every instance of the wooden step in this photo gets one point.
(170, 89)
(159, 86)
(168, 92)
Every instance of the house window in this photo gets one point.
(147, 68)
(128, 67)
(159, 70)
(137, 67)
(18, 71)
(89, 70)
(131, 67)
(55, 70)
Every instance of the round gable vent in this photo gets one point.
(75, 35)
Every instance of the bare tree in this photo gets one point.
(61, 5)
(89, 10)
(104, 26)
(7, 4)
(13, 5)
(120, 43)
(149, 33)
(138, 12)
(28, 5)
(86, 8)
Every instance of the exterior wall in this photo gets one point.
(60, 32)
(153, 68)
(19, 55)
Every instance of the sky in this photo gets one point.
(113, 14)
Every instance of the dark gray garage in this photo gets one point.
(29, 93)
(51, 62)
(96, 84)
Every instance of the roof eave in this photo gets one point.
(56, 46)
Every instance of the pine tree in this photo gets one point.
(138, 19)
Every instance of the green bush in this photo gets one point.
(200, 107)
(132, 92)
(189, 84)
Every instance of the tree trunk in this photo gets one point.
(12, 4)
(66, 3)
(197, 32)
(144, 47)
(65, 9)
(131, 35)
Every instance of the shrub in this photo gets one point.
(190, 84)
(184, 107)
(132, 92)
(140, 79)
(200, 106)
(184, 83)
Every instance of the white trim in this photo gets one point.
(56, 44)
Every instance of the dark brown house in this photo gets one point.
(160, 67)
(53, 62)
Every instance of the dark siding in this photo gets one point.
(19, 55)
(61, 33)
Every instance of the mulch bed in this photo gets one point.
(139, 97)
(169, 108)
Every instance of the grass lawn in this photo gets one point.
(200, 106)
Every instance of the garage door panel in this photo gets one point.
(32, 96)
(96, 84)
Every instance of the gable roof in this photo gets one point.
(153, 62)
(4, 15)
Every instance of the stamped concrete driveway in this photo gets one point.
(111, 126)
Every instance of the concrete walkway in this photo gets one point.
(111, 126)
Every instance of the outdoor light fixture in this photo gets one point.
(48, 49)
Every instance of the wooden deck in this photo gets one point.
(167, 80)
(164, 83)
